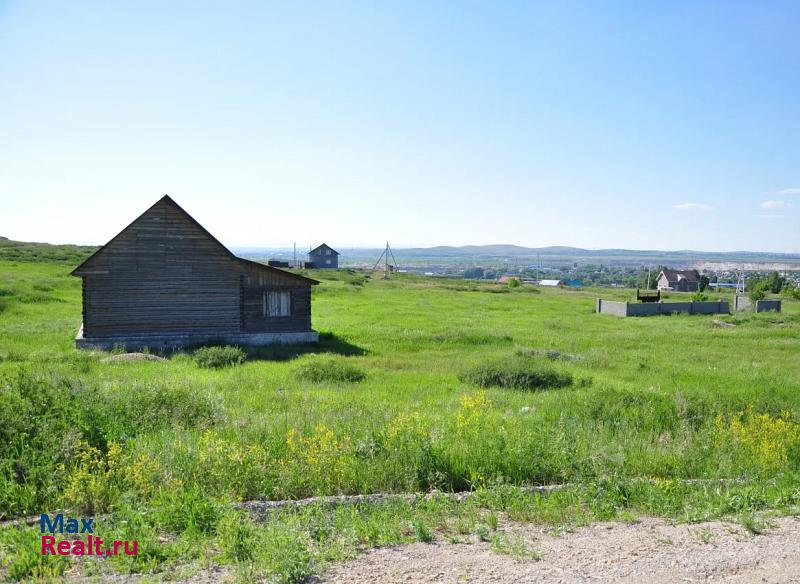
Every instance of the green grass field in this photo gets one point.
(647, 415)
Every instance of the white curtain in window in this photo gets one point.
(276, 304)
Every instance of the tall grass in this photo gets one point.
(218, 357)
(516, 373)
(330, 369)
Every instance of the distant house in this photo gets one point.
(549, 282)
(324, 257)
(680, 280)
(508, 277)
(164, 281)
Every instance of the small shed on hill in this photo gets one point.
(324, 257)
(680, 280)
(164, 281)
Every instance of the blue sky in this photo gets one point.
(671, 125)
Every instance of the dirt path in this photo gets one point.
(650, 551)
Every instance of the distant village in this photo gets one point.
(553, 272)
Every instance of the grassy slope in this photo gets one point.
(654, 397)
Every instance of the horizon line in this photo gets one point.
(405, 247)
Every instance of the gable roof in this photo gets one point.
(678, 275)
(167, 200)
(323, 246)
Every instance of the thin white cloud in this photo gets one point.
(776, 205)
(786, 192)
(701, 207)
(771, 216)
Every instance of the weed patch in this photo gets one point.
(516, 374)
(329, 369)
(771, 442)
(21, 556)
(218, 357)
(56, 432)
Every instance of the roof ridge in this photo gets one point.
(324, 245)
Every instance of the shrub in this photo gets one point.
(791, 292)
(757, 292)
(328, 369)
(517, 374)
(217, 357)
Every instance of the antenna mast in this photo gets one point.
(387, 267)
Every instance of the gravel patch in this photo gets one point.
(177, 575)
(651, 551)
(260, 510)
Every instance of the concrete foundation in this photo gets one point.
(768, 306)
(656, 308)
(744, 303)
(177, 341)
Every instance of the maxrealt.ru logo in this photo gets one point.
(82, 526)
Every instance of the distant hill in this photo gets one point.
(28, 251)
(504, 250)
(567, 253)
(494, 250)
(553, 256)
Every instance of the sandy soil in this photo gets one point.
(651, 551)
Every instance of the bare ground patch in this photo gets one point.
(650, 550)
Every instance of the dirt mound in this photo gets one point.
(132, 357)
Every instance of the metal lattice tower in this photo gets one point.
(387, 267)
